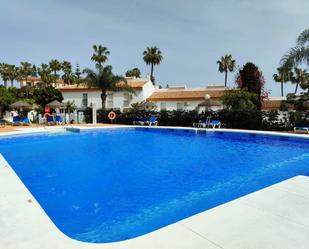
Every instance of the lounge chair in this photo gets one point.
(215, 124)
(25, 122)
(142, 121)
(152, 121)
(16, 120)
(302, 130)
(201, 124)
(59, 120)
(50, 120)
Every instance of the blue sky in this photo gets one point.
(192, 35)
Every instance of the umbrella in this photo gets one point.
(55, 104)
(147, 105)
(20, 105)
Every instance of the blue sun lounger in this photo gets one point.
(59, 119)
(215, 124)
(152, 121)
(25, 121)
(50, 120)
(16, 120)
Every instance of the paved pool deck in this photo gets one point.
(276, 217)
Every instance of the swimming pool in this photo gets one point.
(116, 184)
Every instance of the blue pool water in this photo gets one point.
(117, 184)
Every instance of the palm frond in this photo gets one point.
(295, 56)
(303, 38)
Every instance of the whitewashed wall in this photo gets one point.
(94, 97)
(188, 105)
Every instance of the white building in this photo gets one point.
(84, 96)
(182, 98)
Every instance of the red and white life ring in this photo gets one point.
(111, 116)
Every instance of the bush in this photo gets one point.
(237, 119)
(241, 119)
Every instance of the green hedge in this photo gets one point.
(250, 119)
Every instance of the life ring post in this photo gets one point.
(111, 116)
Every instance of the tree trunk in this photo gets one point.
(281, 89)
(12, 84)
(225, 78)
(296, 88)
(151, 73)
(103, 99)
(5, 84)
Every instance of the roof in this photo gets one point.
(185, 94)
(38, 79)
(136, 84)
(271, 104)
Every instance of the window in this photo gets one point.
(126, 100)
(180, 106)
(85, 100)
(110, 100)
(163, 106)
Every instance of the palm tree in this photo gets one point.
(13, 73)
(46, 75)
(67, 72)
(284, 75)
(104, 79)
(100, 54)
(4, 72)
(301, 76)
(25, 70)
(298, 54)
(305, 84)
(152, 56)
(55, 66)
(226, 64)
(66, 65)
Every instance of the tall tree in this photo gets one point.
(135, 72)
(251, 79)
(104, 79)
(152, 56)
(55, 66)
(67, 76)
(298, 54)
(46, 75)
(226, 64)
(300, 77)
(25, 70)
(100, 54)
(78, 72)
(283, 75)
(13, 73)
(4, 72)
(66, 65)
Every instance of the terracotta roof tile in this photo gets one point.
(186, 94)
(136, 84)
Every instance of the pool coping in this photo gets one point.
(24, 224)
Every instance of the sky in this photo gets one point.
(192, 35)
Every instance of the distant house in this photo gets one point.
(84, 96)
(182, 98)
